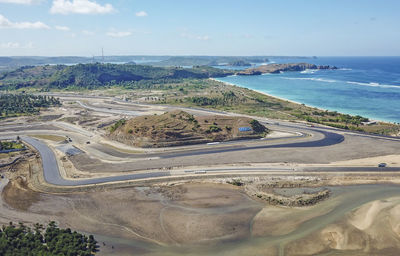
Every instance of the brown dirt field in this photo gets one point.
(17, 194)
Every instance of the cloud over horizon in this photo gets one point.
(87, 33)
(62, 28)
(194, 36)
(6, 23)
(28, 2)
(16, 45)
(141, 14)
(80, 7)
(119, 33)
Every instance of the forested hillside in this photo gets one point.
(96, 75)
(24, 104)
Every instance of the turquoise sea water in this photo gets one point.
(366, 86)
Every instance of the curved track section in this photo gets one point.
(52, 174)
(329, 139)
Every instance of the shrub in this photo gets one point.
(213, 128)
(257, 127)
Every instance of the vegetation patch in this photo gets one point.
(12, 105)
(235, 182)
(9, 145)
(118, 124)
(293, 201)
(52, 240)
(98, 75)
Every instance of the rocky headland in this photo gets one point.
(277, 68)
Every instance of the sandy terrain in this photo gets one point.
(372, 229)
(272, 216)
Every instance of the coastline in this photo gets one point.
(267, 94)
(299, 103)
(273, 96)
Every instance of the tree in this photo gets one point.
(23, 241)
(257, 126)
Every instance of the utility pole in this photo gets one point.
(102, 55)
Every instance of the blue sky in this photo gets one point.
(206, 27)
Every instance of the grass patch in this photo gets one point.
(7, 145)
(55, 138)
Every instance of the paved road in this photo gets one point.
(111, 111)
(52, 173)
(329, 139)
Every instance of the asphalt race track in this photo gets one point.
(52, 173)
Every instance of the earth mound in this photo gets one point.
(179, 128)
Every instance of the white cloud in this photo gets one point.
(20, 1)
(62, 28)
(16, 45)
(5, 23)
(141, 14)
(87, 33)
(203, 38)
(80, 7)
(119, 33)
(193, 36)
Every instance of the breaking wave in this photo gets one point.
(311, 79)
(374, 84)
(309, 71)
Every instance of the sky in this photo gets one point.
(206, 27)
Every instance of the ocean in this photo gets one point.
(366, 86)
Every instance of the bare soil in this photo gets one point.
(17, 194)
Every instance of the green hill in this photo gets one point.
(96, 75)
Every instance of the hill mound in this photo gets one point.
(96, 75)
(180, 128)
